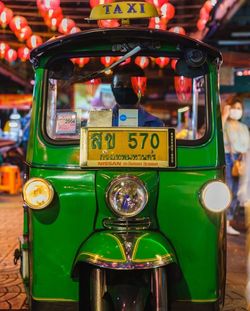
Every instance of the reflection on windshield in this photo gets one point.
(140, 92)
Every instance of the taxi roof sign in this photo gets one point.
(123, 10)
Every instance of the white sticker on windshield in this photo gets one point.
(128, 117)
(66, 122)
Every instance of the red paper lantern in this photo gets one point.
(208, 6)
(162, 61)
(94, 3)
(173, 63)
(11, 55)
(34, 41)
(201, 24)
(5, 17)
(107, 60)
(167, 11)
(157, 23)
(17, 23)
(157, 3)
(75, 30)
(108, 23)
(139, 85)
(1, 6)
(142, 61)
(48, 4)
(178, 29)
(54, 22)
(51, 13)
(66, 25)
(24, 33)
(4, 47)
(127, 61)
(81, 61)
(183, 88)
(204, 14)
(23, 53)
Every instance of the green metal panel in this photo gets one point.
(192, 230)
(57, 232)
(152, 246)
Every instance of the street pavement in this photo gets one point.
(12, 293)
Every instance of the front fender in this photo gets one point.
(113, 250)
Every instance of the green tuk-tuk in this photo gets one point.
(125, 197)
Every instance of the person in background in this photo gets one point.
(236, 144)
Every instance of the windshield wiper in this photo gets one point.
(105, 69)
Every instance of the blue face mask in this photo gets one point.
(125, 97)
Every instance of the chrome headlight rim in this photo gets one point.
(117, 180)
(202, 191)
(51, 193)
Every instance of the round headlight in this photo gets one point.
(216, 196)
(37, 193)
(127, 196)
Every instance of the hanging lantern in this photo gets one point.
(173, 63)
(11, 55)
(157, 23)
(23, 53)
(17, 23)
(66, 25)
(108, 23)
(178, 29)
(139, 85)
(75, 30)
(4, 47)
(157, 3)
(24, 33)
(81, 61)
(183, 88)
(107, 60)
(204, 14)
(162, 61)
(201, 24)
(48, 4)
(208, 6)
(94, 3)
(34, 41)
(1, 6)
(54, 22)
(51, 13)
(5, 17)
(127, 61)
(167, 11)
(142, 61)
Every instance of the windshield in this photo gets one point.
(142, 91)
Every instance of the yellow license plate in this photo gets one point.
(127, 147)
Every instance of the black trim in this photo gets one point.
(120, 35)
(37, 305)
(194, 306)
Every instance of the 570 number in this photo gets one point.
(141, 139)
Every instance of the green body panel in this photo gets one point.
(192, 230)
(61, 229)
(58, 231)
(107, 246)
(152, 246)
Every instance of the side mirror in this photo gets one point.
(193, 64)
(61, 69)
